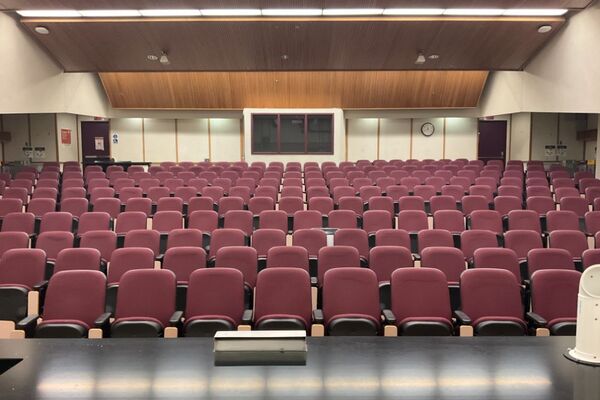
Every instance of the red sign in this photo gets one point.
(65, 136)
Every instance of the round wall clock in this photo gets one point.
(427, 129)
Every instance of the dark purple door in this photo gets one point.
(95, 137)
(492, 140)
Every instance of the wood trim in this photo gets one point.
(444, 140)
(56, 137)
(411, 139)
(176, 141)
(242, 141)
(143, 142)
(378, 137)
(209, 142)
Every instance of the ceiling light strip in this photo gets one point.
(297, 12)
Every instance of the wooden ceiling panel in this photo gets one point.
(294, 44)
(343, 89)
(141, 4)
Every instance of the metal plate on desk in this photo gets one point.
(337, 368)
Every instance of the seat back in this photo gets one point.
(242, 258)
(384, 260)
(215, 292)
(554, 294)
(183, 260)
(449, 260)
(126, 259)
(335, 257)
(77, 259)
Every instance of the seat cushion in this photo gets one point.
(210, 317)
(61, 328)
(282, 316)
(136, 327)
(563, 326)
(281, 322)
(425, 326)
(499, 326)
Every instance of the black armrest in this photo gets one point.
(318, 317)
(175, 319)
(247, 317)
(314, 281)
(40, 286)
(28, 324)
(103, 320)
(536, 319)
(462, 317)
(389, 317)
(416, 257)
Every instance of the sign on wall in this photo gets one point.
(99, 143)
(115, 138)
(65, 136)
(39, 152)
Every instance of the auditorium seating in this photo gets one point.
(386, 217)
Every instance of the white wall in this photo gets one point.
(131, 140)
(18, 126)
(67, 152)
(394, 139)
(461, 142)
(520, 136)
(192, 138)
(362, 138)
(159, 140)
(37, 84)
(226, 140)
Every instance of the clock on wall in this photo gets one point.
(427, 129)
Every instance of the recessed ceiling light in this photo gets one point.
(239, 12)
(292, 12)
(110, 13)
(474, 12)
(352, 11)
(170, 13)
(42, 30)
(413, 11)
(535, 12)
(49, 13)
(152, 57)
(544, 28)
(434, 57)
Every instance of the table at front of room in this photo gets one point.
(337, 368)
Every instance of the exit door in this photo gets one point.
(95, 141)
(492, 140)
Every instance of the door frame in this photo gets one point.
(479, 121)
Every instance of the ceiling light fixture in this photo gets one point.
(532, 12)
(152, 57)
(544, 29)
(292, 12)
(170, 13)
(420, 59)
(352, 11)
(110, 13)
(164, 59)
(434, 57)
(474, 12)
(49, 13)
(238, 12)
(42, 30)
(413, 11)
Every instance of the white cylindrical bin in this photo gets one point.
(587, 343)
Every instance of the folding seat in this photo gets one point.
(93, 221)
(123, 183)
(385, 182)
(45, 193)
(490, 182)
(491, 303)
(215, 302)
(77, 258)
(450, 220)
(200, 203)
(442, 202)
(307, 219)
(239, 219)
(539, 259)
(242, 258)
(198, 183)
(154, 169)
(356, 238)
(398, 174)
(139, 204)
(513, 191)
(269, 182)
(563, 192)
(472, 203)
(436, 182)
(445, 174)
(297, 182)
(538, 191)
(242, 192)
(266, 191)
(22, 183)
(354, 174)
(368, 192)
(540, 204)
(123, 261)
(15, 193)
(351, 302)
(174, 183)
(71, 175)
(316, 192)
(589, 257)
(273, 219)
(558, 174)
(165, 221)
(315, 181)
(335, 257)
(111, 169)
(48, 174)
(561, 220)
(39, 207)
(384, 260)
(186, 176)
(392, 237)
(592, 193)
(231, 175)
(213, 192)
(412, 220)
(490, 220)
(226, 204)
(250, 183)
(183, 261)
(56, 221)
(96, 184)
(511, 181)
(470, 175)
(474, 239)
(359, 183)
(287, 256)
(291, 205)
(426, 192)
(374, 220)
(91, 175)
(134, 169)
(74, 307)
(129, 193)
(410, 182)
(103, 241)
(420, 302)
(52, 242)
(554, 301)
(461, 181)
(13, 240)
(71, 184)
(481, 190)
(146, 305)
(384, 203)
(291, 191)
(109, 205)
(162, 176)
(592, 222)
(573, 241)
(100, 193)
(411, 203)
(434, 238)
(582, 175)
(562, 182)
(283, 300)
(343, 191)
(521, 241)
(209, 176)
(506, 204)
(257, 205)
(449, 260)
(224, 238)
(376, 174)
(321, 204)
(264, 239)
(421, 175)
(578, 205)
(506, 259)
(313, 240)
(146, 238)
(185, 238)
(158, 192)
